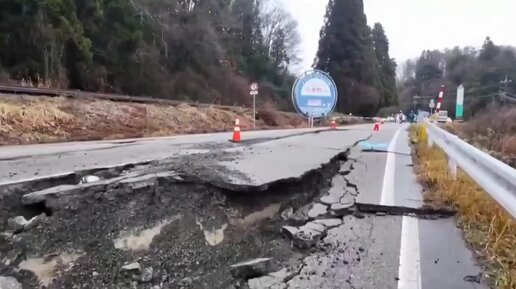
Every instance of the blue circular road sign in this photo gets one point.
(314, 94)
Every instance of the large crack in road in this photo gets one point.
(178, 224)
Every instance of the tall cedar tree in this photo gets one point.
(388, 95)
(346, 52)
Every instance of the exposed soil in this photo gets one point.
(184, 233)
(30, 119)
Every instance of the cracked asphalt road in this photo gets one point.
(224, 203)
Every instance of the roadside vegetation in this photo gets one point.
(487, 227)
(27, 120)
(480, 71)
(493, 130)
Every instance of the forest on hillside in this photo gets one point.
(198, 50)
(482, 72)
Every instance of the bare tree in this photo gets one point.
(279, 31)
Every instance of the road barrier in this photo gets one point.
(495, 177)
(105, 96)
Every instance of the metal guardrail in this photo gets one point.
(105, 96)
(495, 177)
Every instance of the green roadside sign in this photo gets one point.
(459, 108)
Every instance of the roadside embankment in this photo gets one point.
(29, 119)
(487, 227)
(493, 130)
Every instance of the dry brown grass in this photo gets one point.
(26, 119)
(494, 129)
(271, 116)
(487, 227)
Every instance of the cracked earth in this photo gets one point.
(176, 224)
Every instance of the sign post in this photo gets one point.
(459, 108)
(254, 92)
(314, 95)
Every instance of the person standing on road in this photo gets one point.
(412, 116)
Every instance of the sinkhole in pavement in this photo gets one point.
(139, 227)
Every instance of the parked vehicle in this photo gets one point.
(442, 116)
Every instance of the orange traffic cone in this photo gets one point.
(333, 124)
(376, 126)
(236, 131)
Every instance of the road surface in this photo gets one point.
(354, 250)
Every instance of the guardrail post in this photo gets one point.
(429, 142)
(452, 166)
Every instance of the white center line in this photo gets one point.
(387, 196)
(409, 273)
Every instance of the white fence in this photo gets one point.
(494, 176)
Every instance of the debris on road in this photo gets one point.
(251, 268)
(135, 266)
(89, 179)
(16, 224)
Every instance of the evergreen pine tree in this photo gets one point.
(387, 66)
(346, 52)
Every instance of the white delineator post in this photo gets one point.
(452, 166)
(440, 99)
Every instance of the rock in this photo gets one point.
(333, 197)
(34, 222)
(348, 199)
(147, 275)
(287, 213)
(54, 193)
(13, 257)
(251, 269)
(289, 231)
(133, 267)
(186, 281)
(341, 209)
(328, 223)
(359, 215)
(9, 283)
(300, 216)
(6, 237)
(317, 210)
(313, 226)
(16, 224)
(274, 280)
(266, 282)
(305, 239)
(89, 179)
(297, 220)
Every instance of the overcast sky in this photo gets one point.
(415, 25)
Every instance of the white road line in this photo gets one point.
(409, 273)
(387, 196)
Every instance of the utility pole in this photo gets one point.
(505, 87)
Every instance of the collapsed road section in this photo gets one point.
(204, 221)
